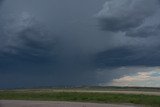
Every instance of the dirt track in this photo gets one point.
(20, 103)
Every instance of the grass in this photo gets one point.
(81, 97)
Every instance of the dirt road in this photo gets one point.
(20, 103)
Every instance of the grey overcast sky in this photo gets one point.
(79, 42)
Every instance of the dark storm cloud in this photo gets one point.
(27, 39)
(135, 25)
(1, 1)
(138, 22)
(126, 57)
(45, 46)
(60, 43)
(130, 17)
(30, 49)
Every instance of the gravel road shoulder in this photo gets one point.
(21, 103)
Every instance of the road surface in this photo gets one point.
(20, 103)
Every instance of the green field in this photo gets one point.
(81, 97)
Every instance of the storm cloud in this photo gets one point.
(61, 44)
(136, 24)
(132, 17)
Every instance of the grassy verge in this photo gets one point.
(81, 97)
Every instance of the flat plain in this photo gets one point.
(110, 97)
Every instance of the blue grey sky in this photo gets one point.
(79, 42)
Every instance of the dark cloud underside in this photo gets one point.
(58, 42)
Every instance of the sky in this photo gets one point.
(79, 42)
